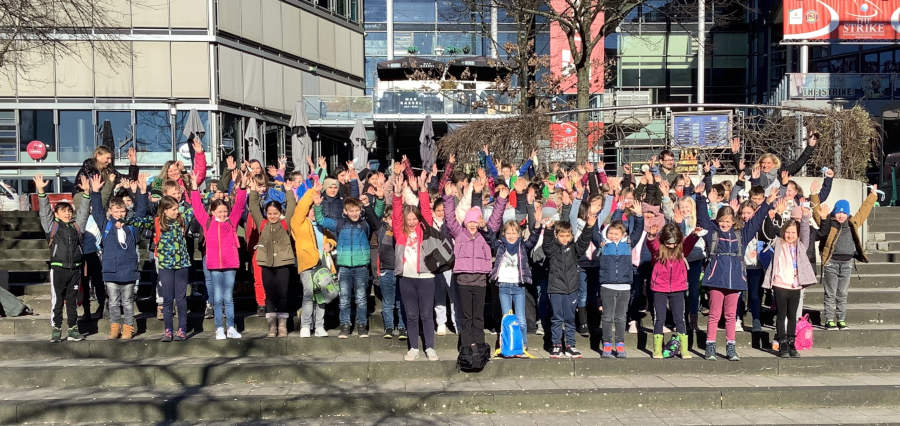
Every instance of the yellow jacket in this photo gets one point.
(303, 232)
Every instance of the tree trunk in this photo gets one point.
(583, 101)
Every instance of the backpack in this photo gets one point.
(804, 334)
(511, 342)
(673, 348)
(473, 358)
(715, 242)
(325, 284)
(263, 225)
(437, 251)
(54, 228)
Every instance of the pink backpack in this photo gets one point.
(804, 338)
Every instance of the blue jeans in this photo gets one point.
(354, 279)
(391, 301)
(207, 278)
(512, 296)
(222, 295)
(563, 313)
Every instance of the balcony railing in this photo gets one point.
(445, 102)
(338, 108)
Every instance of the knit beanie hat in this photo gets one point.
(842, 206)
(329, 182)
(473, 215)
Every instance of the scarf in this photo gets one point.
(511, 248)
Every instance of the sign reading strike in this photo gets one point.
(858, 20)
(36, 150)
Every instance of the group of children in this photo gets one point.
(437, 245)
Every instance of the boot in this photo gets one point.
(731, 351)
(685, 349)
(127, 332)
(282, 327)
(792, 350)
(273, 327)
(114, 330)
(711, 351)
(582, 322)
(783, 351)
(657, 346)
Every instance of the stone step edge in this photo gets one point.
(191, 404)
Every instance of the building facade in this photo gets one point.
(231, 60)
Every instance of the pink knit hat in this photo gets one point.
(473, 215)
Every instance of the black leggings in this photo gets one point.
(418, 300)
(675, 302)
(276, 282)
(471, 301)
(787, 302)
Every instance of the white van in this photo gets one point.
(9, 199)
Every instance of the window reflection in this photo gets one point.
(76, 136)
(36, 125)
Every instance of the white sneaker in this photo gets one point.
(441, 331)
(632, 327)
(431, 354)
(233, 334)
(320, 332)
(540, 329)
(304, 332)
(412, 355)
(220, 333)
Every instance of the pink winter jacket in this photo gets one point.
(670, 276)
(221, 237)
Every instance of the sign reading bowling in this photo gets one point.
(853, 20)
(36, 150)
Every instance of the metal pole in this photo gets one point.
(172, 128)
(837, 149)
(701, 53)
(494, 30)
(804, 58)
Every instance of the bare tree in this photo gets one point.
(33, 31)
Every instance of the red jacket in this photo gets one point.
(670, 276)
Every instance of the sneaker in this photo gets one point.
(167, 336)
(363, 331)
(431, 354)
(220, 333)
(757, 326)
(388, 333)
(830, 325)
(345, 331)
(571, 352)
(710, 351)
(208, 314)
(607, 351)
(411, 355)
(842, 325)
(402, 334)
(74, 334)
(441, 331)
(304, 332)
(731, 352)
(632, 327)
(320, 332)
(556, 352)
(261, 311)
(540, 329)
(55, 334)
(180, 336)
(620, 350)
(232, 333)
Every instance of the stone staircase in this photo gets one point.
(334, 380)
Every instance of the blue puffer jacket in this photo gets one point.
(726, 269)
(615, 263)
(119, 261)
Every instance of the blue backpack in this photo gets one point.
(511, 341)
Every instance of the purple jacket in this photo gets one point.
(472, 252)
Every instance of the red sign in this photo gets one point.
(36, 150)
(562, 58)
(564, 139)
(841, 20)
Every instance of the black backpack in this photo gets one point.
(473, 358)
(437, 251)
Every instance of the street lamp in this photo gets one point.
(173, 111)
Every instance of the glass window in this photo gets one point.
(413, 11)
(453, 11)
(424, 43)
(153, 136)
(231, 136)
(371, 70)
(322, 3)
(887, 61)
(36, 125)
(375, 11)
(340, 7)
(506, 44)
(376, 44)
(354, 10)
(8, 145)
(120, 121)
(76, 136)
(461, 43)
(181, 119)
(402, 42)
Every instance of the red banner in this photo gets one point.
(841, 20)
(561, 57)
(564, 139)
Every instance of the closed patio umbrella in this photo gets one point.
(301, 143)
(251, 135)
(360, 151)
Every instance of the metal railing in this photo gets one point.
(338, 107)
